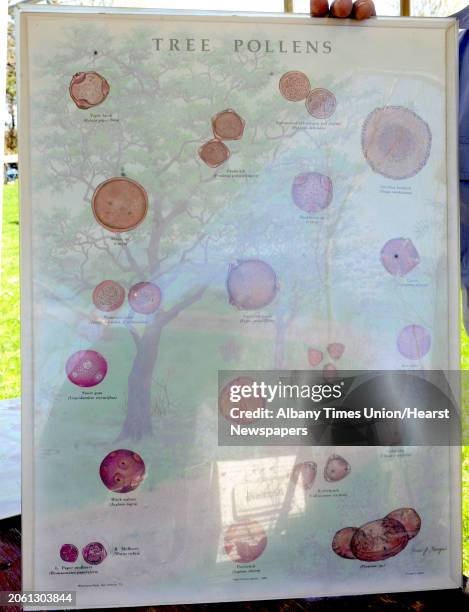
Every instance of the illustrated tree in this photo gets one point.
(150, 127)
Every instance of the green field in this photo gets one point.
(10, 328)
(10, 297)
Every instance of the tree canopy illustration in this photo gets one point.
(149, 128)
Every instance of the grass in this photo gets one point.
(10, 296)
(10, 328)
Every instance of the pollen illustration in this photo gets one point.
(304, 474)
(414, 342)
(378, 540)
(342, 541)
(336, 468)
(86, 368)
(68, 553)
(399, 256)
(88, 89)
(94, 553)
(312, 191)
(122, 471)
(336, 350)
(251, 284)
(228, 125)
(214, 153)
(145, 298)
(396, 142)
(314, 356)
(108, 296)
(294, 86)
(409, 518)
(226, 404)
(329, 371)
(119, 204)
(321, 103)
(245, 541)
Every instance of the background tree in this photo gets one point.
(11, 141)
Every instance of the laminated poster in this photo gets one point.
(211, 192)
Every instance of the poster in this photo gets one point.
(216, 192)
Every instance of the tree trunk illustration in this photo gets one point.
(280, 336)
(138, 421)
(282, 325)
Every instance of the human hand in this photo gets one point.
(360, 9)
